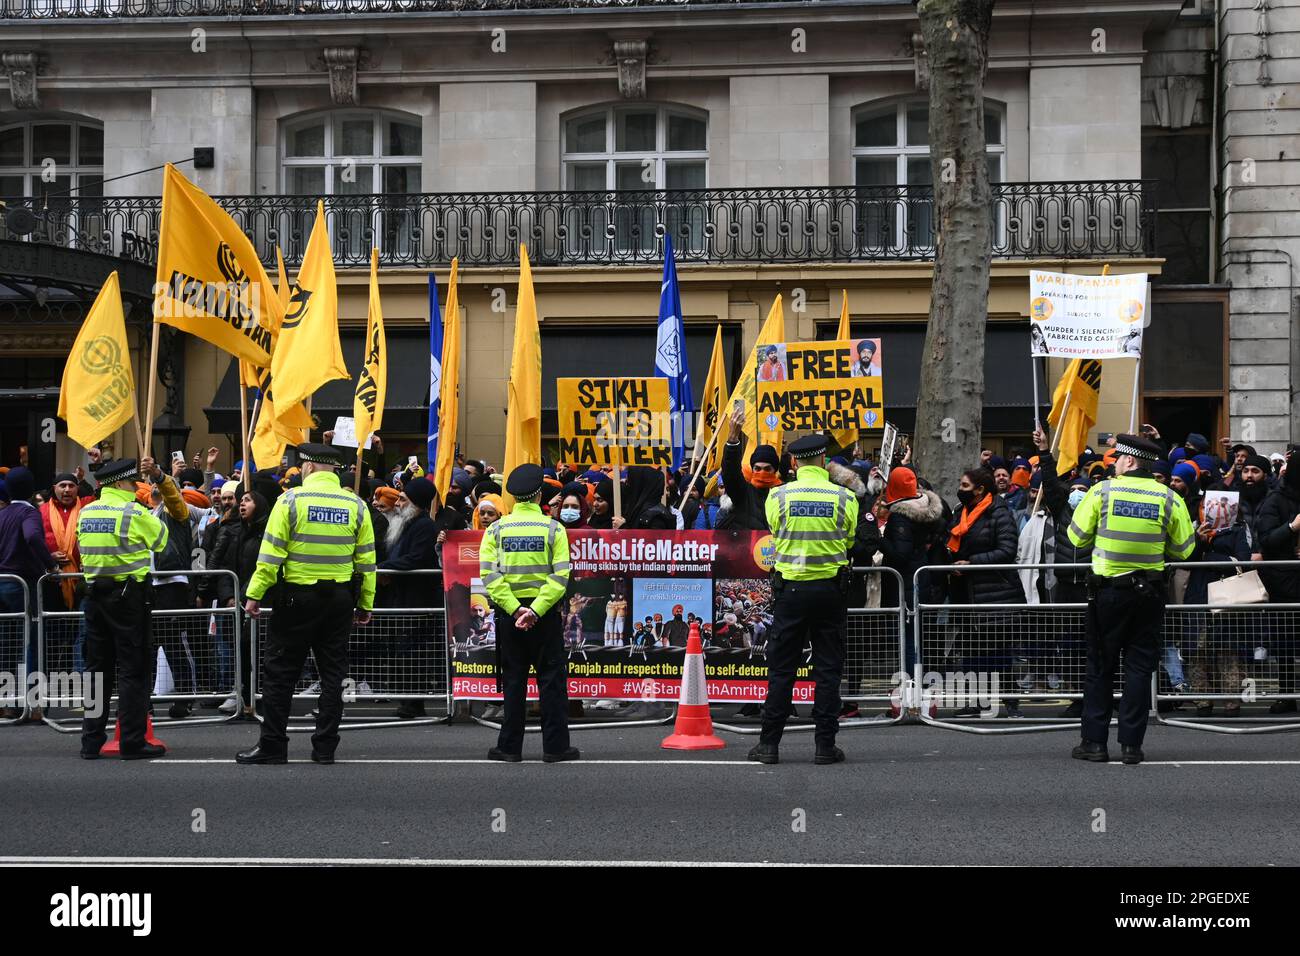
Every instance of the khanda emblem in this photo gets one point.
(229, 265)
(298, 299)
(101, 355)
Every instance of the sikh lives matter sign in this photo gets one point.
(614, 421)
(819, 386)
(633, 596)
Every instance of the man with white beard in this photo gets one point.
(412, 546)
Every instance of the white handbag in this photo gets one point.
(1241, 588)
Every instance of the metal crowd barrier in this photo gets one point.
(201, 646)
(15, 645)
(988, 654)
(875, 660)
(401, 655)
(1232, 655)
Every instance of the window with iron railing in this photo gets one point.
(634, 149)
(374, 155)
(891, 149)
(59, 165)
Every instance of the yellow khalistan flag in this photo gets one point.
(372, 381)
(524, 390)
(276, 426)
(449, 388)
(1081, 384)
(98, 391)
(210, 281)
(848, 436)
(746, 389)
(307, 351)
(711, 411)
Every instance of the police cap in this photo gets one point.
(319, 454)
(117, 469)
(525, 481)
(1137, 447)
(810, 446)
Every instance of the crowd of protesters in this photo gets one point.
(1006, 510)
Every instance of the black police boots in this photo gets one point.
(1090, 750)
(146, 752)
(571, 754)
(828, 754)
(258, 755)
(498, 754)
(1132, 755)
(765, 753)
(318, 757)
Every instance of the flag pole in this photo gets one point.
(153, 383)
(1133, 405)
(139, 435)
(1051, 449)
(1033, 373)
(356, 484)
(699, 466)
(243, 418)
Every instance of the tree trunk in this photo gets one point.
(950, 405)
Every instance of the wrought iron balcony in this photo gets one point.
(777, 224)
(122, 9)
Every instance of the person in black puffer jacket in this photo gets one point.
(983, 531)
(1277, 524)
(747, 488)
(236, 550)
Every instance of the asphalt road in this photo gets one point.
(907, 795)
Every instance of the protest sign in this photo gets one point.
(819, 386)
(614, 421)
(345, 433)
(632, 599)
(1076, 316)
(1220, 508)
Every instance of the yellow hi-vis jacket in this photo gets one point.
(115, 536)
(813, 521)
(317, 532)
(1132, 524)
(525, 556)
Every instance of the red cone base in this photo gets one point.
(114, 746)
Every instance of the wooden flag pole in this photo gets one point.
(153, 382)
(243, 420)
(618, 489)
(356, 483)
(1051, 449)
(699, 465)
(139, 434)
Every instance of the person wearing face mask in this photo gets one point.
(236, 550)
(747, 488)
(1277, 525)
(1133, 525)
(983, 531)
(573, 509)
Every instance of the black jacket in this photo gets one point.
(416, 549)
(1277, 542)
(992, 539)
(237, 547)
(1056, 499)
(747, 502)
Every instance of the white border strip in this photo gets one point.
(44, 861)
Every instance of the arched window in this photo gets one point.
(351, 152)
(891, 148)
(636, 149)
(49, 157)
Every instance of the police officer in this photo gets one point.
(1133, 524)
(116, 537)
(319, 537)
(524, 563)
(812, 521)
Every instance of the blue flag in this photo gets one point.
(435, 371)
(670, 357)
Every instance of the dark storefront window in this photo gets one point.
(1179, 162)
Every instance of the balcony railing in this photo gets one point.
(786, 224)
(118, 9)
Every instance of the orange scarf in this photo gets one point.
(65, 536)
(968, 517)
(760, 481)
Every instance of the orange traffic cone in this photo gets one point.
(114, 746)
(694, 728)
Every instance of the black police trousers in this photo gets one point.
(541, 647)
(1122, 620)
(119, 646)
(816, 609)
(314, 618)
